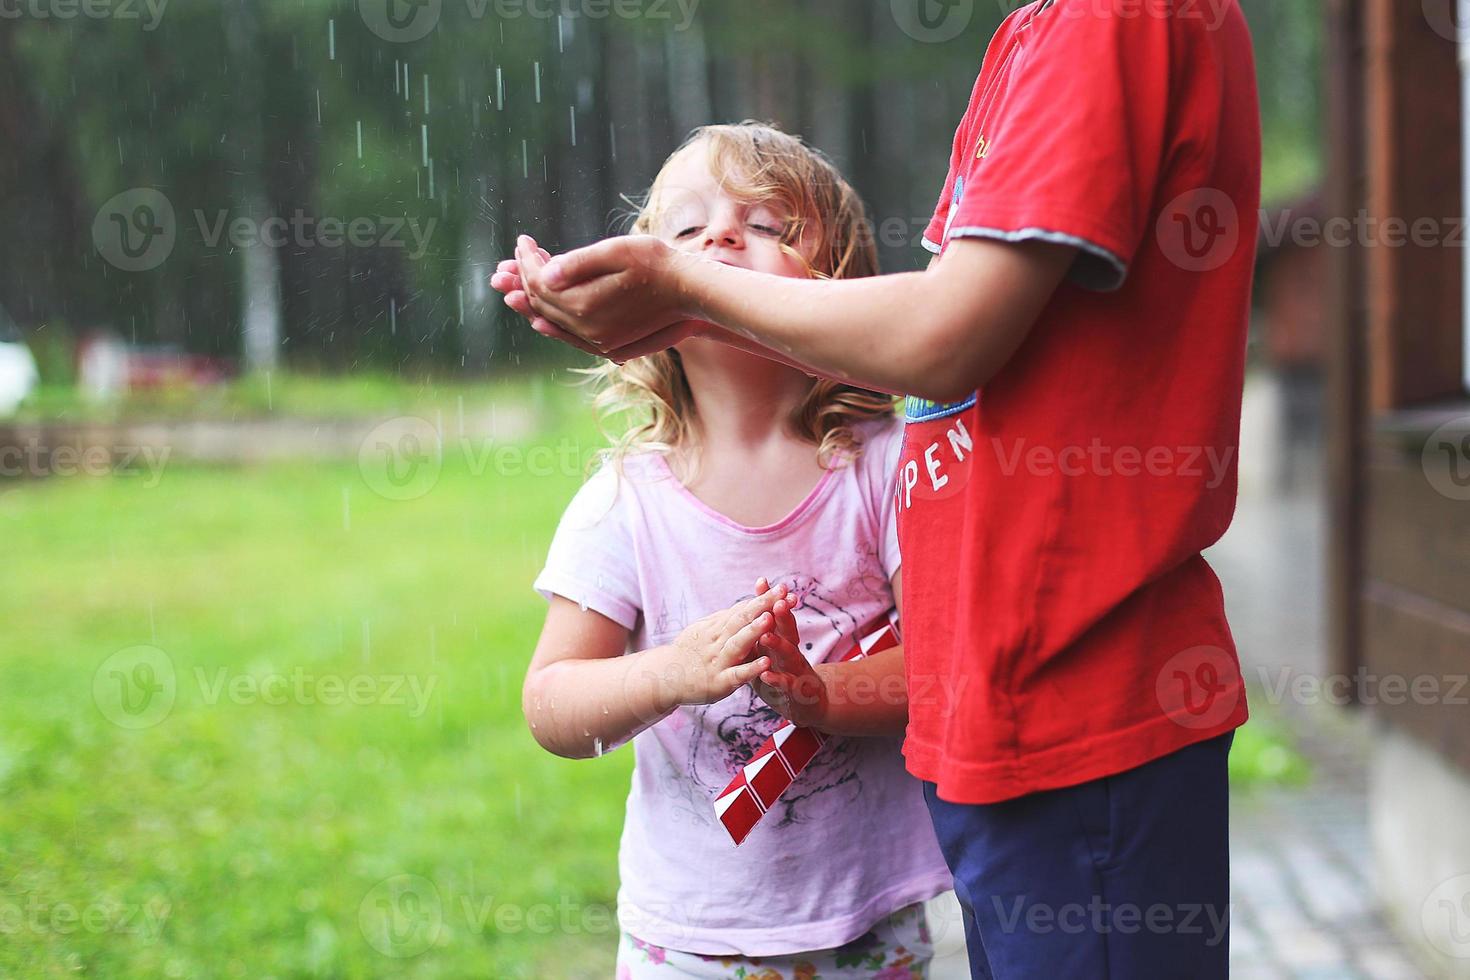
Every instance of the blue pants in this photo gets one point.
(1123, 878)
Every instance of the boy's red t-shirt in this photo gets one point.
(1060, 622)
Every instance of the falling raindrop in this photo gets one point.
(359, 139)
(499, 87)
(331, 40)
(597, 747)
(393, 316)
(426, 95)
(424, 143)
(525, 161)
(318, 107)
(270, 405)
(538, 83)
(572, 112)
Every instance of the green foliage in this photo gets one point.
(217, 102)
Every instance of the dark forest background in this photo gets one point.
(502, 118)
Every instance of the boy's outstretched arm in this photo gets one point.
(937, 334)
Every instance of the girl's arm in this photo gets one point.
(584, 694)
(937, 334)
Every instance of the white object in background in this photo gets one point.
(102, 367)
(18, 377)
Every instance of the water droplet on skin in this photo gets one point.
(582, 605)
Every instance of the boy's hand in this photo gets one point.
(508, 279)
(712, 657)
(622, 298)
(792, 687)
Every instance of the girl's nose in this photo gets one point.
(724, 231)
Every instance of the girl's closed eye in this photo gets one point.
(765, 222)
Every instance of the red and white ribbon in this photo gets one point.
(776, 764)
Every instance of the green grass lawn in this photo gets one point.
(235, 837)
(412, 829)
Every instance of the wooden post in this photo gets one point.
(1346, 339)
(1413, 108)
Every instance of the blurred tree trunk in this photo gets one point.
(260, 274)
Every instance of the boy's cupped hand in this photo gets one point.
(619, 299)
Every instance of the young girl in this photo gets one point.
(743, 471)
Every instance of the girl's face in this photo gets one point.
(695, 214)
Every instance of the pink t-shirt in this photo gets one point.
(850, 841)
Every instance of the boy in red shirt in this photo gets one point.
(1074, 362)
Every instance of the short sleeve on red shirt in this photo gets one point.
(1067, 141)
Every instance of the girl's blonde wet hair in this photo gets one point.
(755, 163)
